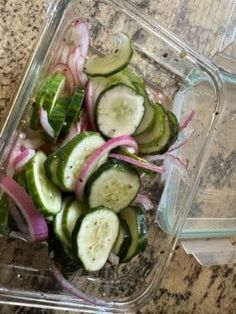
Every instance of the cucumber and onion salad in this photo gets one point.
(74, 181)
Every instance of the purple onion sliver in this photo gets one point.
(138, 163)
(43, 117)
(38, 229)
(187, 119)
(67, 286)
(23, 157)
(80, 35)
(145, 201)
(179, 144)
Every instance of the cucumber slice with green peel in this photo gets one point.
(162, 144)
(48, 95)
(50, 165)
(73, 155)
(70, 215)
(175, 126)
(149, 114)
(57, 118)
(123, 240)
(151, 135)
(136, 220)
(94, 236)
(114, 185)
(113, 62)
(74, 109)
(4, 214)
(45, 195)
(119, 111)
(101, 83)
(133, 77)
(58, 226)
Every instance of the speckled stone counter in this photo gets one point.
(187, 287)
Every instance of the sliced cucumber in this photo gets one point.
(73, 155)
(136, 220)
(119, 110)
(123, 240)
(50, 166)
(45, 195)
(57, 118)
(94, 236)
(58, 226)
(133, 77)
(160, 145)
(4, 214)
(70, 215)
(114, 62)
(47, 96)
(157, 129)
(74, 110)
(149, 114)
(175, 126)
(114, 185)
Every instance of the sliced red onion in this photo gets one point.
(38, 229)
(65, 54)
(15, 214)
(67, 286)
(187, 119)
(145, 201)
(181, 143)
(138, 163)
(85, 123)
(95, 158)
(113, 259)
(80, 35)
(89, 103)
(16, 148)
(23, 157)
(43, 117)
(154, 157)
(64, 69)
(72, 63)
(74, 130)
(180, 165)
(80, 71)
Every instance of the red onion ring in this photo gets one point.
(66, 285)
(89, 104)
(23, 157)
(90, 165)
(74, 130)
(138, 163)
(65, 54)
(181, 143)
(43, 117)
(80, 36)
(38, 229)
(80, 70)
(72, 63)
(187, 119)
(64, 69)
(144, 201)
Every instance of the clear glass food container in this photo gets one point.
(190, 82)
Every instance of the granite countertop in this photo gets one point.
(188, 287)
